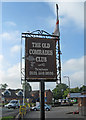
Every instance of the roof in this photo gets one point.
(48, 90)
(75, 95)
(12, 95)
(82, 96)
(35, 91)
(83, 93)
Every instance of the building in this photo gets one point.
(10, 94)
(32, 97)
(48, 96)
(82, 103)
(81, 100)
(74, 96)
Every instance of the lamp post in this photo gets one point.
(68, 83)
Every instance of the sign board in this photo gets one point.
(40, 59)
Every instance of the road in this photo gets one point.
(8, 112)
(0, 112)
(56, 112)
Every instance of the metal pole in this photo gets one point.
(69, 85)
(24, 94)
(42, 100)
(59, 52)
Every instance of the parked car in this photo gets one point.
(13, 104)
(66, 102)
(37, 108)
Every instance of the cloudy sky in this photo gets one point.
(18, 17)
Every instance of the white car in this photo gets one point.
(13, 104)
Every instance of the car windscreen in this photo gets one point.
(38, 106)
(13, 101)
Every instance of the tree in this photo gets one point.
(75, 90)
(4, 86)
(59, 91)
(27, 88)
(83, 88)
(66, 93)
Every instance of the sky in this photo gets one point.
(19, 17)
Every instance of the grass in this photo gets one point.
(7, 118)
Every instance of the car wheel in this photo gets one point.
(47, 109)
(14, 107)
(35, 109)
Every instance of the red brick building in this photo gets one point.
(48, 96)
(82, 103)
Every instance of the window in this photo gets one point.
(7, 92)
(20, 93)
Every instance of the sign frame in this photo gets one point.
(39, 79)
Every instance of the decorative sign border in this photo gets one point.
(40, 59)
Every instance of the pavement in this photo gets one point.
(0, 111)
(56, 112)
(8, 112)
